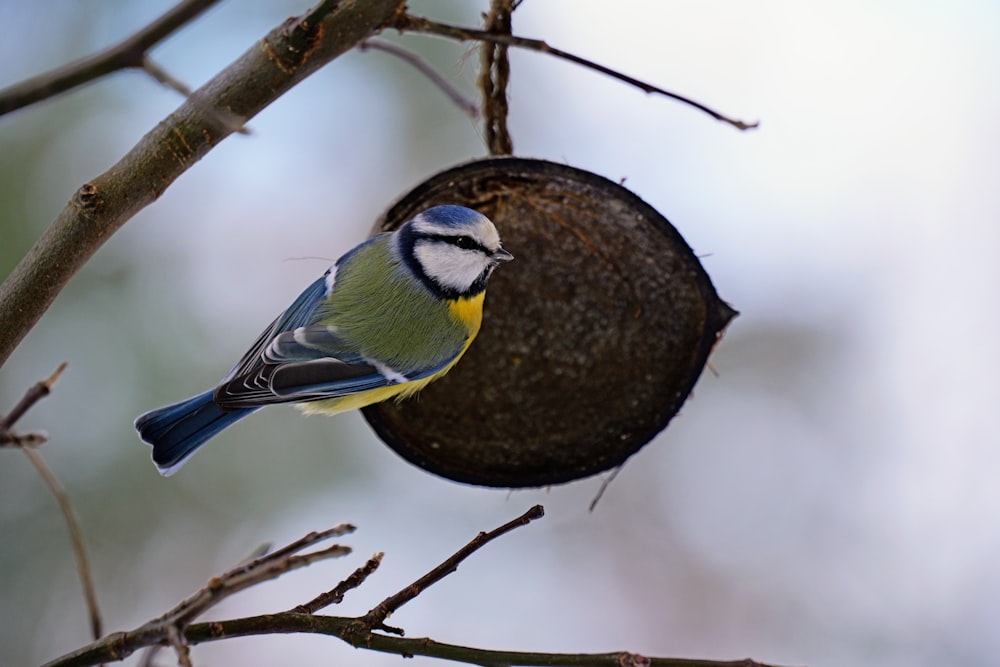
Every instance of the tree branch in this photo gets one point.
(75, 536)
(264, 568)
(171, 627)
(27, 443)
(35, 393)
(119, 646)
(355, 631)
(375, 618)
(344, 628)
(286, 56)
(126, 54)
(408, 22)
(451, 92)
(336, 594)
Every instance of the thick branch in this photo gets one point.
(127, 53)
(286, 56)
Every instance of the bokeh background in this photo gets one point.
(830, 498)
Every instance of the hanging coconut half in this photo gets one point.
(591, 341)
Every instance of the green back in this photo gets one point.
(385, 313)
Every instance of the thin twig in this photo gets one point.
(166, 79)
(336, 594)
(150, 654)
(126, 54)
(298, 545)
(421, 646)
(411, 23)
(258, 551)
(243, 576)
(422, 66)
(28, 442)
(605, 483)
(377, 615)
(75, 537)
(38, 391)
(181, 648)
(342, 628)
(22, 440)
(120, 646)
(358, 631)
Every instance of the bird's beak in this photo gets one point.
(500, 255)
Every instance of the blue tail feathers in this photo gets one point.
(177, 431)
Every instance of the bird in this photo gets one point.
(393, 314)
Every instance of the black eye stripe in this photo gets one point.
(461, 240)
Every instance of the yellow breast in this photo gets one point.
(467, 310)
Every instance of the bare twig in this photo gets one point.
(377, 615)
(423, 646)
(157, 632)
(266, 567)
(605, 483)
(407, 22)
(129, 53)
(27, 443)
(164, 77)
(408, 647)
(168, 80)
(38, 391)
(336, 594)
(22, 440)
(150, 655)
(75, 536)
(180, 645)
(358, 631)
(258, 551)
(287, 55)
(450, 91)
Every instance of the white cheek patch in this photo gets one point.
(449, 265)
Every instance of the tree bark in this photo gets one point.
(286, 56)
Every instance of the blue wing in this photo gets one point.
(296, 360)
(296, 315)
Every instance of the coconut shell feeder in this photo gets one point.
(592, 338)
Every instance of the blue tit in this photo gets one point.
(389, 317)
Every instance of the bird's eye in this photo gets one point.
(466, 243)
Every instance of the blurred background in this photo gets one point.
(829, 499)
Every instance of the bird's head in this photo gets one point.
(453, 249)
